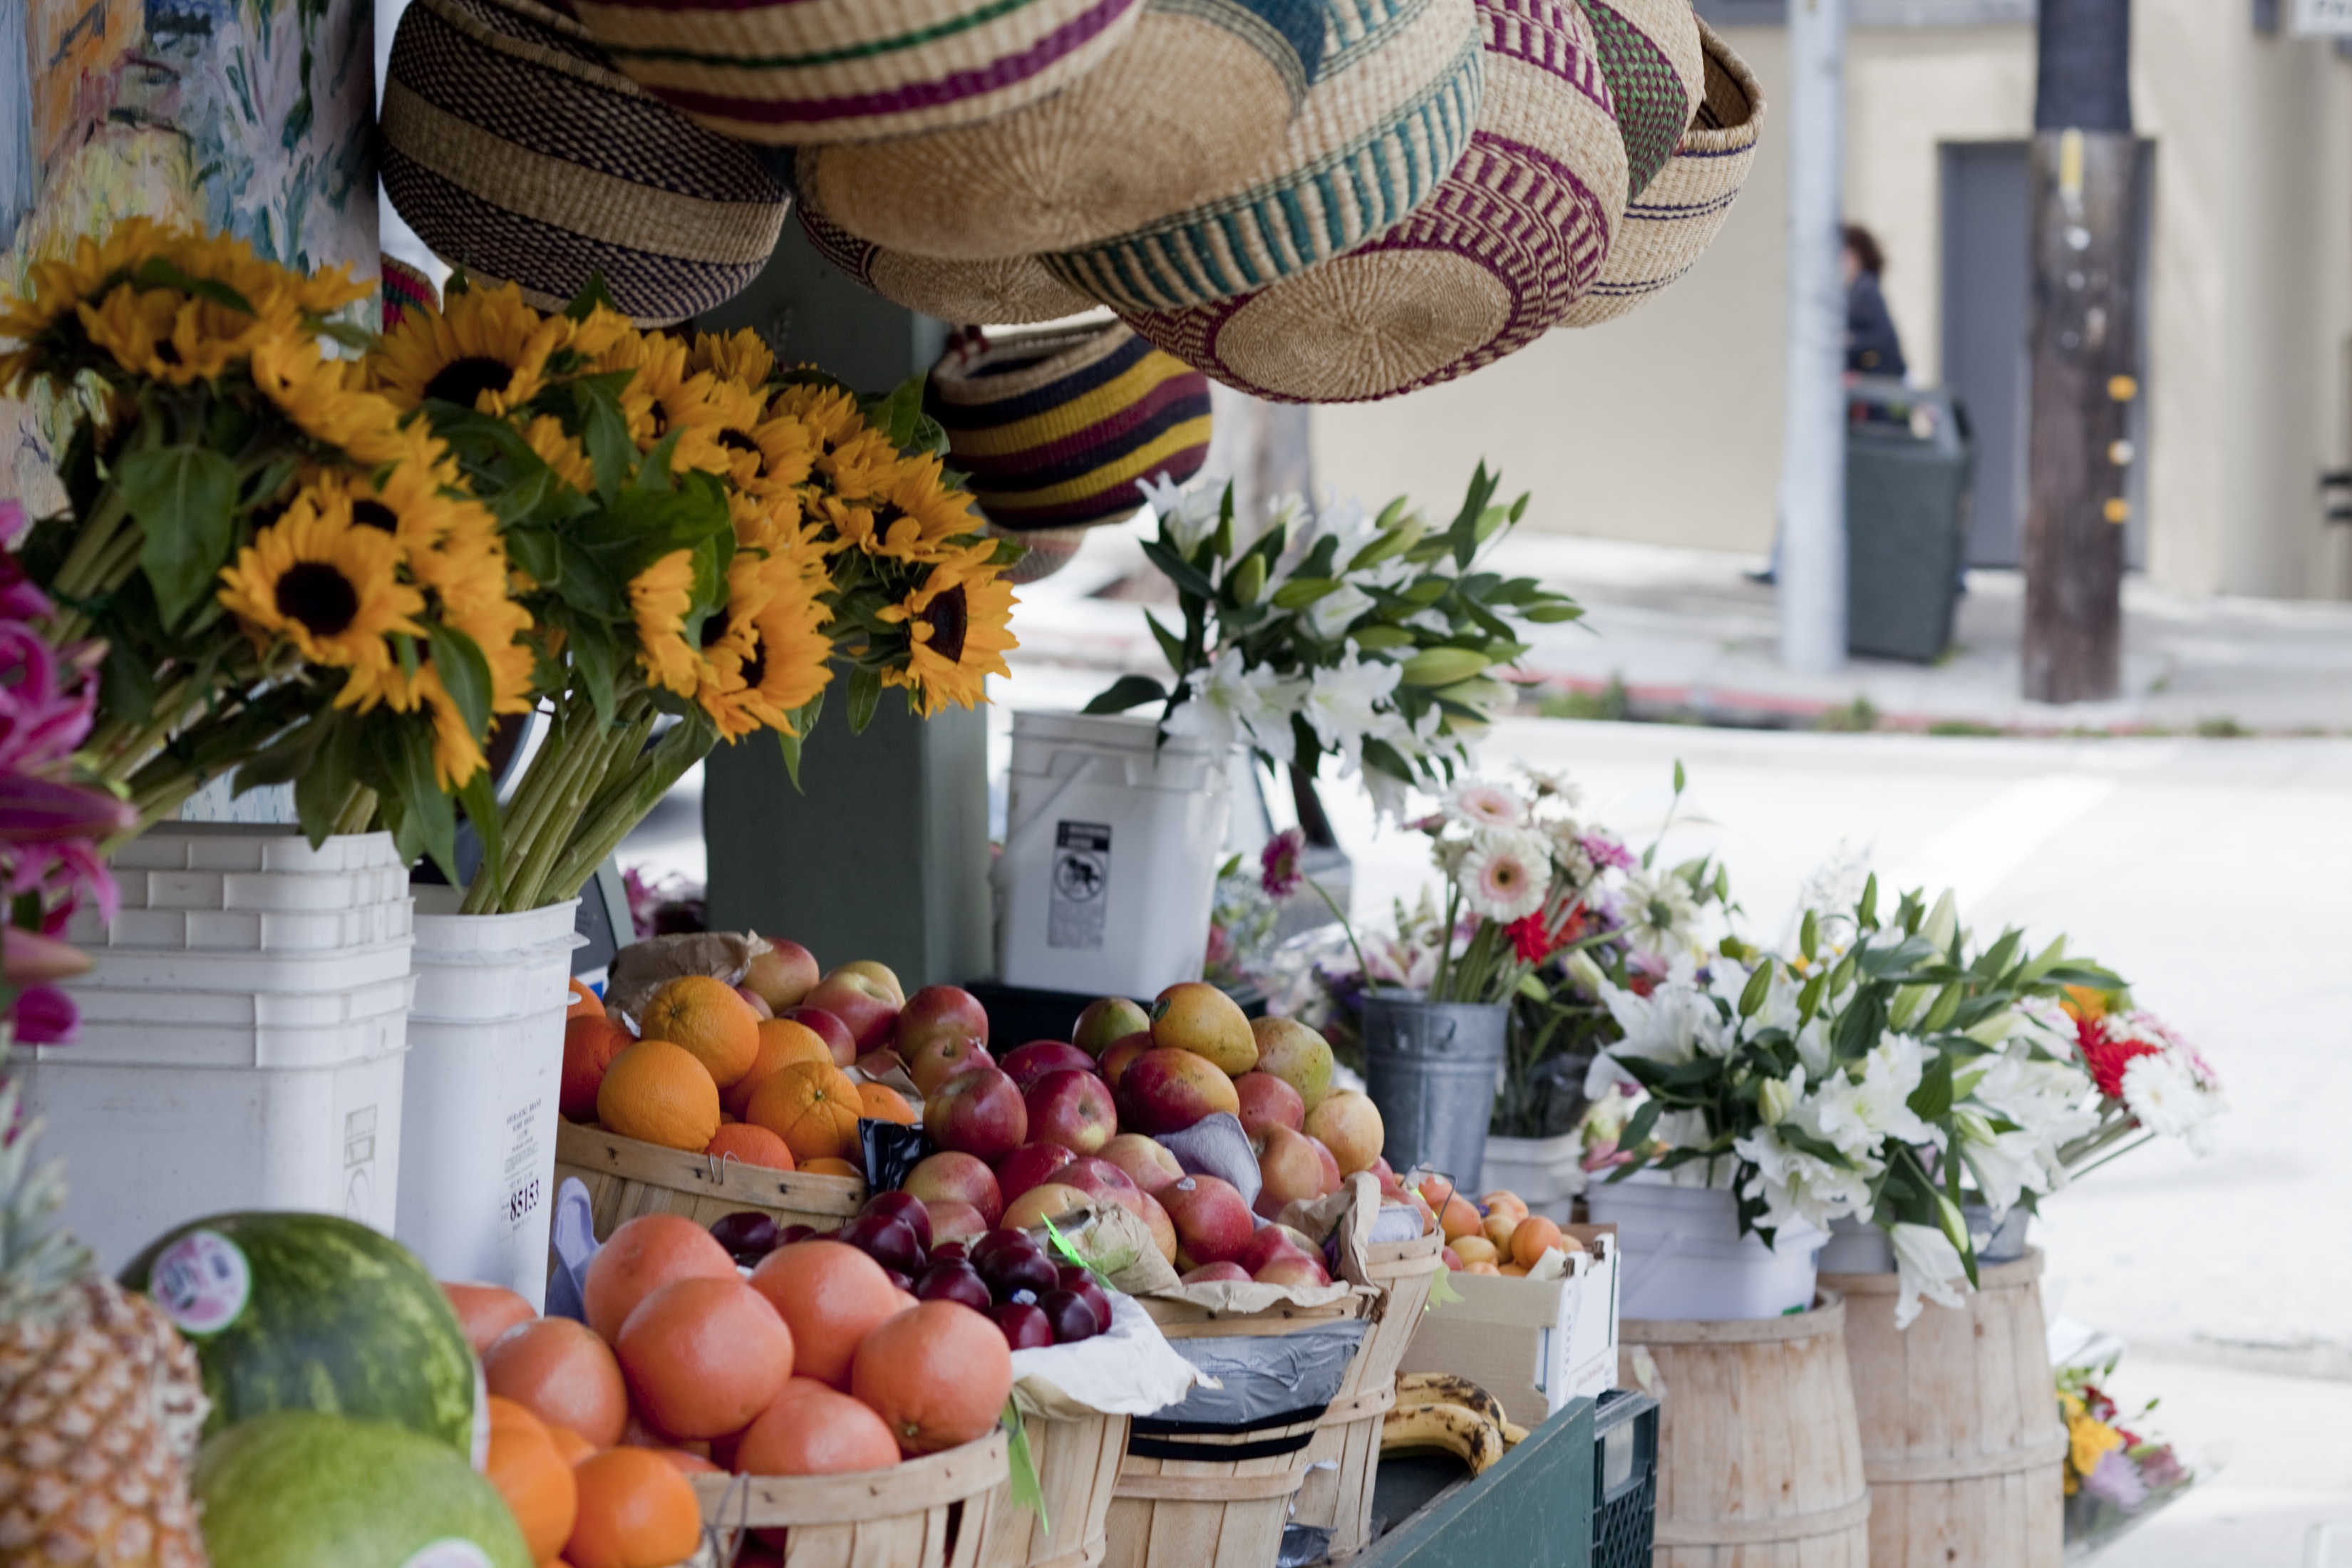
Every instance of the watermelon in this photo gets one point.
(312, 1311)
(299, 1488)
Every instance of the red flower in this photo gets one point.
(2108, 1057)
(1534, 942)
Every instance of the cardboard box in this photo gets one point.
(1534, 1345)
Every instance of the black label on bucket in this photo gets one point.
(1074, 915)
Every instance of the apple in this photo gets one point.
(978, 1113)
(907, 1209)
(1080, 1282)
(1348, 1124)
(880, 1063)
(1195, 1015)
(1019, 1264)
(941, 1058)
(1266, 1101)
(1029, 1164)
(1073, 1108)
(1116, 1060)
(753, 1000)
(951, 1177)
(879, 973)
(1295, 1054)
(1106, 1022)
(953, 1281)
(1027, 1064)
(1146, 1161)
(937, 1011)
(1212, 1223)
(1169, 1089)
(953, 1222)
(783, 974)
(886, 1241)
(1024, 1326)
(1291, 1168)
(1272, 1241)
(1453, 1259)
(1162, 1228)
(1070, 1314)
(1048, 1200)
(865, 1005)
(829, 1028)
(1102, 1180)
(1296, 1272)
(1391, 1184)
(1215, 1274)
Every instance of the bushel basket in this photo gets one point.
(928, 1512)
(627, 1177)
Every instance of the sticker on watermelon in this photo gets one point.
(202, 1282)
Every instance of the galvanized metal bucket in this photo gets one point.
(1433, 1067)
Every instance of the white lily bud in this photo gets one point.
(1774, 1101)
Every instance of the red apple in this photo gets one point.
(863, 1003)
(1169, 1089)
(978, 1113)
(952, 1220)
(783, 974)
(1215, 1274)
(1029, 1164)
(1116, 1058)
(1391, 1184)
(1272, 1241)
(1026, 1327)
(1072, 1107)
(1296, 1272)
(1453, 1259)
(880, 973)
(937, 1011)
(1103, 1180)
(1145, 1160)
(1268, 1101)
(941, 1058)
(908, 1210)
(956, 1178)
(1162, 1228)
(1212, 1223)
(1026, 1064)
(1292, 1168)
(753, 1000)
(1106, 1022)
(1048, 1200)
(1348, 1124)
(829, 1028)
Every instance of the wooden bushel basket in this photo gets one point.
(1206, 1512)
(1077, 1464)
(626, 1178)
(931, 1512)
(1340, 1499)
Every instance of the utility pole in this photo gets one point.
(2084, 349)
(1812, 567)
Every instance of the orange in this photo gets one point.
(585, 1003)
(642, 1256)
(563, 1375)
(832, 1295)
(706, 1016)
(938, 1374)
(782, 1043)
(750, 1145)
(1534, 1236)
(687, 1464)
(569, 1446)
(832, 1168)
(811, 1106)
(486, 1310)
(658, 1092)
(1504, 1201)
(591, 1041)
(704, 1356)
(883, 1103)
(532, 1476)
(636, 1512)
(812, 1430)
(1459, 1216)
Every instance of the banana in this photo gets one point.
(1474, 1440)
(1448, 1388)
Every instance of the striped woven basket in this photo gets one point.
(405, 289)
(1494, 258)
(1198, 97)
(1016, 291)
(514, 149)
(1650, 53)
(1049, 550)
(794, 72)
(1387, 118)
(1055, 427)
(1670, 224)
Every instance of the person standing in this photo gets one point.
(1872, 345)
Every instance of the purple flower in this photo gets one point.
(1280, 871)
(44, 1016)
(1606, 853)
(2116, 1480)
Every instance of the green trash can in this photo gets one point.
(1910, 470)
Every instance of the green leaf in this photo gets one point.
(1301, 591)
(604, 432)
(592, 659)
(157, 273)
(1127, 691)
(795, 739)
(1637, 1130)
(185, 499)
(1187, 577)
(321, 787)
(1865, 913)
(465, 673)
(864, 695)
(1932, 1101)
(479, 797)
(1681, 779)
(1809, 937)
(593, 294)
(431, 814)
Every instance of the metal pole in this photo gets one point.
(1811, 568)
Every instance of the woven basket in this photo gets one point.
(1671, 224)
(514, 149)
(1650, 53)
(1196, 98)
(1055, 427)
(1050, 550)
(1014, 291)
(1387, 118)
(1494, 258)
(795, 72)
(405, 289)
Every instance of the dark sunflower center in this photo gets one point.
(949, 618)
(734, 440)
(755, 669)
(661, 419)
(375, 514)
(165, 352)
(461, 380)
(318, 596)
(714, 628)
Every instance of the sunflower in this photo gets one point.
(660, 597)
(485, 349)
(665, 396)
(739, 356)
(316, 394)
(775, 656)
(326, 585)
(861, 466)
(164, 334)
(771, 454)
(909, 515)
(405, 497)
(559, 451)
(958, 627)
(456, 750)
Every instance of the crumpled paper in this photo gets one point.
(643, 968)
(1128, 1369)
(1113, 1240)
(1217, 1146)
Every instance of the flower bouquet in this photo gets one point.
(2116, 1476)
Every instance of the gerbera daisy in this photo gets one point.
(660, 598)
(1483, 804)
(738, 356)
(326, 586)
(1505, 874)
(958, 627)
(485, 349)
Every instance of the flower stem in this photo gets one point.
(1347, 927)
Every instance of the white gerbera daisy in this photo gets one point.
(1659, 916)
(1505, 875)
(1483, 804)
(2163, 1093)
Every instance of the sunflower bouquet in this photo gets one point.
(699, 537)
(286, 578)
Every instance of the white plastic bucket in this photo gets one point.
(1547, 1173)
(485, 1064)
(1685, 1257)
(1109, 867)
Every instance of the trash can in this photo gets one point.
(1910, 469)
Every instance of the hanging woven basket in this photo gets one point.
(1014, 291)
(1387, 120)
(797, 72)
(1650, 53)
(515, 151)
(1055, 427)
(1195, 100)
(405, 289)
(1491, 261)
(1671, 222)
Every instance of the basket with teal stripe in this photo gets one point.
(1388, 118)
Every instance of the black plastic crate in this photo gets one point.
(1624, 1479)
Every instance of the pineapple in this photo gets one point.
(100, 1400)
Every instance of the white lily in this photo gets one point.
(1227, 703)
(1928, 1265)
(1342, 703)
(1191, 516)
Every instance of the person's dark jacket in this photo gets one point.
(1872, 347)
